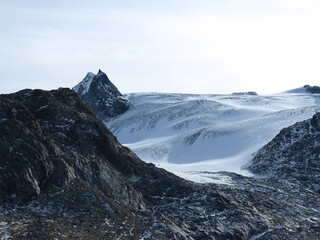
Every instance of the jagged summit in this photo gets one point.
(84, 86)
(100, 93)
(100, 72)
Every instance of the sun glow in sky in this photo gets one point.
(190, 46)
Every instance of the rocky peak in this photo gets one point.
(100, 94)
(100, 72)
(103, 78)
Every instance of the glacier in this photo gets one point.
(198, 135)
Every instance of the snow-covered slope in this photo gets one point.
(83, 87)
(306, 89)
(192, 135)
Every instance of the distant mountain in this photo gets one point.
(63, 175)
(100, 94)
(294, 155)
(306, 89)
(314, 89)
(245, 93)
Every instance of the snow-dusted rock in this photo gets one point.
(99, 93)
(294, 154)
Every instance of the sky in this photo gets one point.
(181, 46)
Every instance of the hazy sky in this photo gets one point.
(193, 46)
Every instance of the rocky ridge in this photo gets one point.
(100, 94)
(312, 89)
(245, 93)
(64, 175)
(294, 154)
(45, 143)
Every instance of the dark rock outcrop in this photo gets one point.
(294, 154)
(245, 93)
(50, 138)
(100, 94)
(312, 89)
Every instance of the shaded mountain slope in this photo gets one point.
(46, 142)
(294, 154)
(53, 138)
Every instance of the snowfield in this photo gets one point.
(196, 136)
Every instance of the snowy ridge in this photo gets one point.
(186, 133)
(83, 87)
(306, 89)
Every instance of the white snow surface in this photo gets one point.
(297, 90)
(195, 136)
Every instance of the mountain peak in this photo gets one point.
(102, 95)
(100, 74)
(103, 78)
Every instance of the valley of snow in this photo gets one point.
(196, 136)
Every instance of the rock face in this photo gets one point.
(47, 141)
(100, 94)
(294, 154)
(314, 89)
(64, 175)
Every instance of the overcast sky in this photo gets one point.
(187, 46)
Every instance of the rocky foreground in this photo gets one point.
(63, 175)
